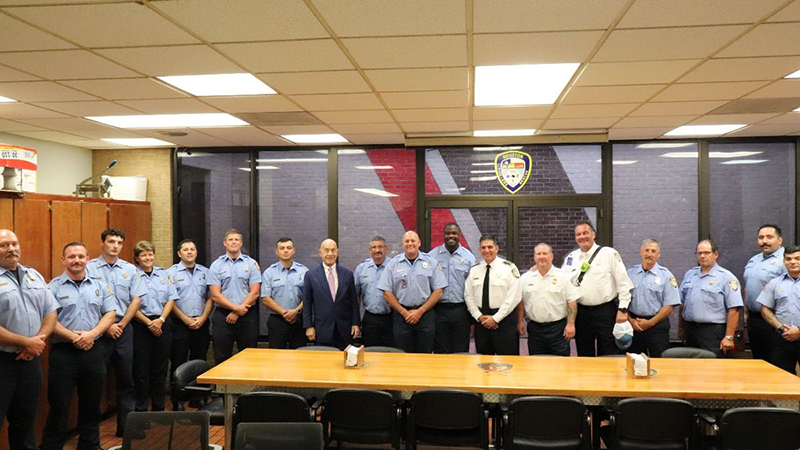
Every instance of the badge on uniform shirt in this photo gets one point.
(712, 282)
(569, 260)
(171, 281)
(97, 293)
(64, 297)
(657, 281)
(125, 275)
(424, 265)
(673, 282)
(31, 277)
(403, 283)
(734, 285)
(300, 276)
(246, 267)
(463, 261)
(163, 282)
(774, 262)
(555, 281)
(109, 290)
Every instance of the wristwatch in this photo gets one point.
(780, 329)
(729, 337)
(623, 310)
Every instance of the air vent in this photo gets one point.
(758, 105)
(267, 119)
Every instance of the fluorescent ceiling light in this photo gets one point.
(221, 84)
(291, 160)
(481, 171)
(377, 192)
(496, 149)
(482, 178)
(171, 120)
(494, 133)
(797, 110)
(331, 138)
(525, 84)
(704, 130)
(793, 75)
(483, 164)
(374, 167)
(346, 151)
(745, 161)
(139, 142)
(665, 145)
(7, 100)
(741, 154)
(621, 162)
(247, 169)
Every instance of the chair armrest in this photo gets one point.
(204, 389)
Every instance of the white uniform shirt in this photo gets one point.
(606, 279)
(546, 297)
(504, 292)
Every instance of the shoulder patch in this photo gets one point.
(505, 261)
(617, 257)
(733, 284)
(673, 282)
(515, 271)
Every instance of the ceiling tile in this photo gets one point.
(610, 94)
(721, 119)
(779, 89)
(507, 124)
(56, 136)
(126, 89)
(338, 102)
(423, 100)
(510, 112)
(245, 136)
(339, 117)
(252, 104)
(23, 111)
(8, 126)
(108, 25)
(784, 119)
(665, 43)
(335, 82)
(72, 124)
(41, 91)
(180, 60)
(9, 74)
(434, 79)
(743, 69)
(169, 106)
(376, 128)
(707, 91)
(92, 144)
(677, 108)
(18, 36)
(581, 111)
(766, 40)
(651, 122)
(249, 20)
(767, 130)
(376, 139)
(645, 72)
(636, 133)
(390, 18)
(543, 15)
(194, 138)
(83, 109)
(533, 48)
(789, 14)
(300, 129)
(435, 127)
(65, 65)
(656, 13)
(288, 56)
(408, 52)
(431, 115)
(577, 124)
(110, 133)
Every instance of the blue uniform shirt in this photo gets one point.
(285, 286)
(122, 278)
(192, 288)
(456, 268)
(412, 284)
(652, 290)
(234, 276)
(367, 275)
(757, 273)
(83, 304)
(160, 290)
(782, 294)
(707, 298)
(22, 308)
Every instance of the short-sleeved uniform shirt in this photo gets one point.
(121, 277)
(546, 296)
(412, 283)
(23, 303)
(234, 276)
(160, 290)
(504, 288)
(707, 298)
(285, 286)
(192, 288)
(456, 266)
(652, 290)
(81, 304)
(366, 276)
(757, 273)
(782, 294)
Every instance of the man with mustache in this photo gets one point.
(780, 306)
(376, 325)
(759, 270)
(28, 319)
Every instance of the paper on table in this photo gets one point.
(352, 356)
(639, 365)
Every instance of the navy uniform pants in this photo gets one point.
(594, 329)
(654, 341)
(502, 341)
(188, 344)
(122, 359)
(547, 338)
(244, 332)
(417, 338)
(283, 334)
(377, 329)
(20, 384)
(151, 364)
(705, 335)
(452, 328)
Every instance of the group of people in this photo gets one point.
(416, 301)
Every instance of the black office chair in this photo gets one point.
(547, 422)
(362, 416)
(321, 348)
(760, 428)
(271, 407)
(652, 423)
(279, 436)
(688, 352)
(382, 349)
(185, 388)
(447, 417)
(167, 430)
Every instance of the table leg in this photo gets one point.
(229, 402)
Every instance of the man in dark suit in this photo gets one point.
(330, 304)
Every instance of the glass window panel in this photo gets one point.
(377, 196)
(555, 169)
(553, 226)
(214, 197)
(750, 184)
(474, 222)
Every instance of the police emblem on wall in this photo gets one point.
(513, 169)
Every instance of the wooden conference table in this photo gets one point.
(711, 383)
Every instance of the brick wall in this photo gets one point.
(155, 165)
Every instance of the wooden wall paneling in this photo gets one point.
(32, 226)
(66, 222)
(94, 219)
(135, 221)
(7, 213)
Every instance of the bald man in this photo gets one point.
(330, 306)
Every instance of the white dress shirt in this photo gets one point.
(606, 279)
(504, 292)
(546, 296)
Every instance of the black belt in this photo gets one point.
(378, 314)
(490, 313)
(637, 316)
(549, 323)
(449, 304)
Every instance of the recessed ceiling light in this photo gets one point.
(621, 162)
(292, 160)
(331, 138)
(377, 192)
(704, 130)
(482, 178)
(793, 75)
(374, 167)
(171, 120)
(219, 85)
(247, 169)
(139, 142)
(492, 133)
(525, 84)
(7, 100)
(665, 145)
(740, 154)
(745, 161)
(496, 149)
